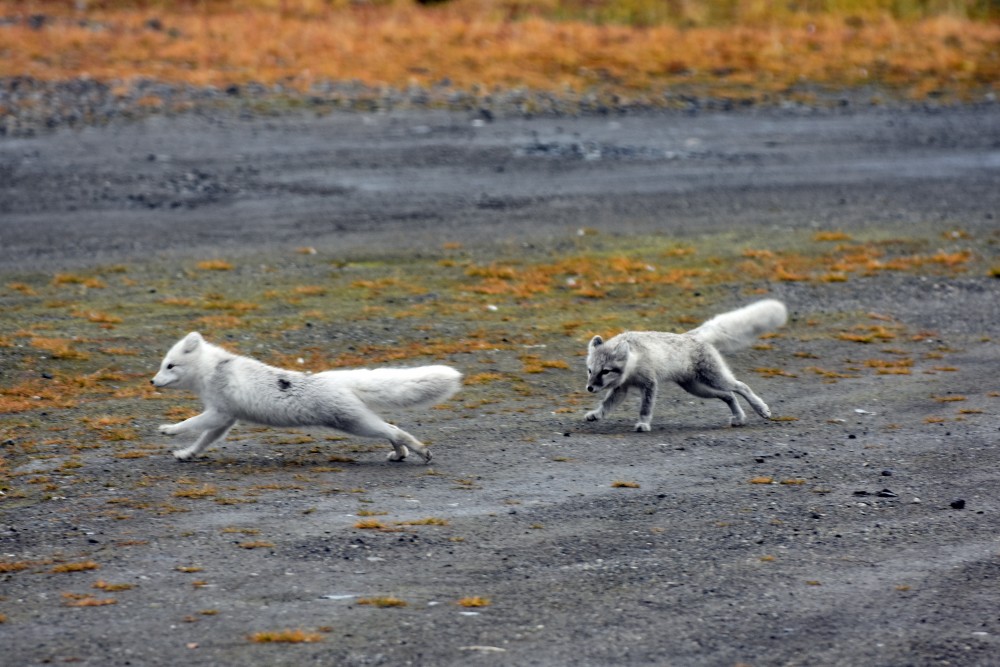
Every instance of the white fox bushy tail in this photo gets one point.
(738, 328)
(406, 387)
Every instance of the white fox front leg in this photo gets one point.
(207, 420)
(607, 404)
(208, 437)
(646, 408)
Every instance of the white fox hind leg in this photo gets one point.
(607, 404)
(759, 406)
(371, 426)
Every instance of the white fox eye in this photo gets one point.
(169, 366)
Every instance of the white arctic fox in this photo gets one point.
(239, 388)
(644, 359)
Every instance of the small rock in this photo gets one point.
(887, 473)
(958, 504)
(886, 493)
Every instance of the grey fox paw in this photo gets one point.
(592, 416)
(642, 427)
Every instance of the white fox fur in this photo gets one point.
(644, 359)
(239, 388)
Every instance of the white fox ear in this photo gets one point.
(596, 341)
(191, 341)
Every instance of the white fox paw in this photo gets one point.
(737, 421)
(183, 454)
(593, 415)
(642, 427)
(766, 412)
(167, 429)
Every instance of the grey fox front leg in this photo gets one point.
(646, 408)
(607, 404)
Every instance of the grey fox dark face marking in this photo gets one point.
(598, 379)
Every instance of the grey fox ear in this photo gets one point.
(596, 341)
(191, 341)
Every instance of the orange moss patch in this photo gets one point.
(473, 601)
(106, 586)
(621, 484)
(58, 348)
(215, 265)
(429, 521)
(285, 637)
(383, 602)
(256, 544)
(83, 566)
(73, 600)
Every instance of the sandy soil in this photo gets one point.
(864, 557)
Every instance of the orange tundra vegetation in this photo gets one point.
(636, 49)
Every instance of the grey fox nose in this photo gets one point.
(590, 388)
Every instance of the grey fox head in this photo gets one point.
(179, 369)
(605, 364)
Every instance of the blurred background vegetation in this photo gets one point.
(640, 49)
(626, 12)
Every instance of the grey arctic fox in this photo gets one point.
(645, 359)
(239, 388)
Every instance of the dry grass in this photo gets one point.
(637, 48)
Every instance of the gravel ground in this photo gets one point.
(876, 543)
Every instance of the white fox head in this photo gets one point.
(180, 368)
(606, 364)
